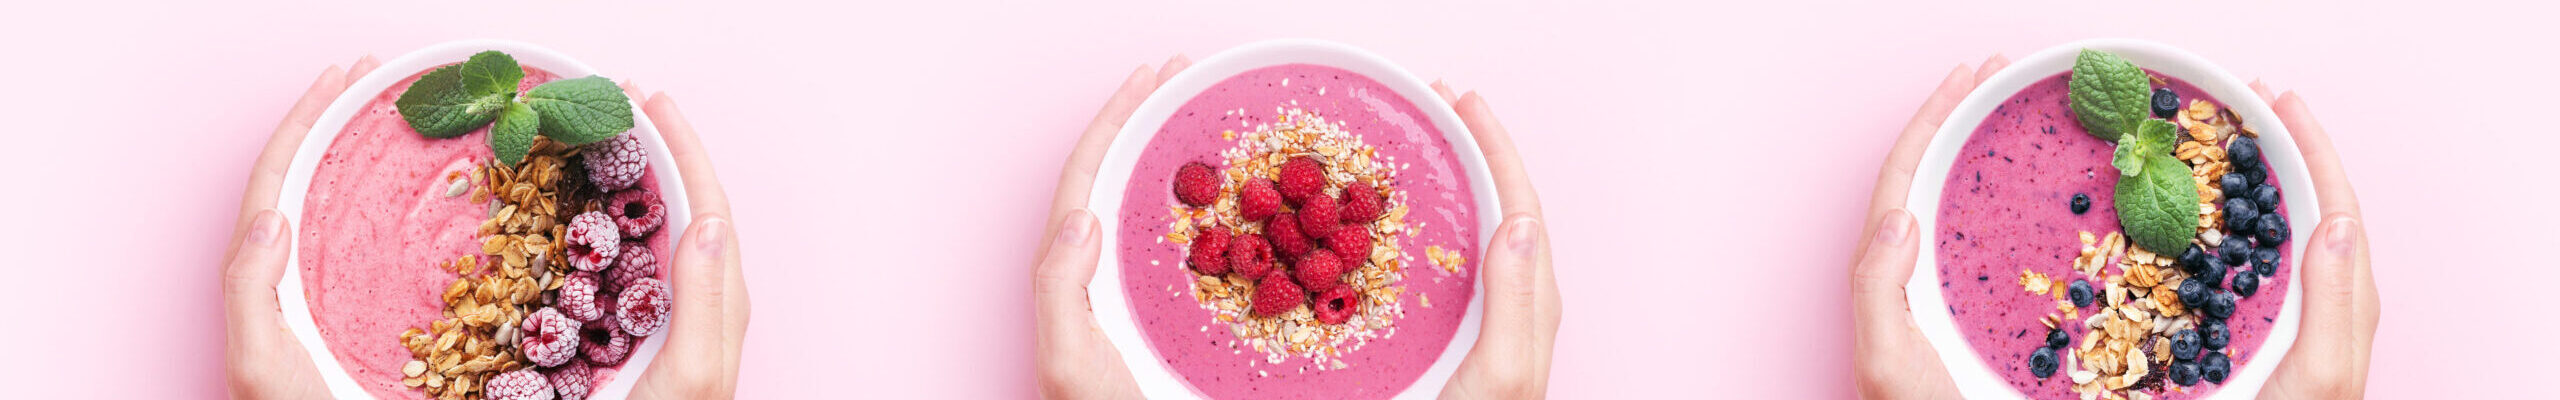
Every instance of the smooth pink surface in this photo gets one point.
(1703, 165)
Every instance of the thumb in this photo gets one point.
(2332, 310)
(695, 331)
(1058, 283)
(249, 281)
(1875, 283)
(1511, 286)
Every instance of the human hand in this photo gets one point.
(1521, 307)
(1891, 360)
(709, 325)
(1074, 360)
(261, 358)
(2340, 307)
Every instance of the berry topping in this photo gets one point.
(1286, 237)
(2081, 294)
(2245, 284)
(1250, 256)
(644, 307)
(2272, 230)
(2191, 293)
(1352, 243)
(1338, 304)
(2079, 203)
(638, 212)
(2255, 176)
(2244, 153)
(616, 163)
(2185, 344)
(1276, 295)
(1319, 271)
(593, 241)
(2264, 261)
(572, 380)
(1196, 184)
(1209, 251)
(522, 384)
(1301, 179)
(1317, 216)
(2234, 183)
(2239, 215)
(1362, 203)
(2185, 373)
(1258, 200)
(2216, 367)
(2057, 338)
(2042, 362)
(577, 297)
(2192, 260)
(2215, 333)
(2164, 103)
(638, 263)
(2212, 273)
(549, 338)
(2220, 305)
(2267, 196)
(2235, 250)
(606, 346)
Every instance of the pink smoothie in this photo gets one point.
(1206, 353)
(2007, 207)
(376, 225)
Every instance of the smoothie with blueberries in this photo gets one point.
(1415, 282)
(2029, 184)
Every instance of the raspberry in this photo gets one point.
(578, 296)
(644, 307)
(522, 384)
(1317, 216)
(605, 345)
(1352, 243)
(593, 241)
(1196, 184)
(616, 163)
(638, 212)
(1301, 179)
(1337, 305)
(1258, 200)
(1362, 203)
(1276, 295)
(1250, 255)
(1209, 251)
(550, 338)
(1285, 237)
(1319, 270)
(638, 262)
(572, 380)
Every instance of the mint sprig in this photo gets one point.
(455, 99)
(2108, 94)
(2156, 199)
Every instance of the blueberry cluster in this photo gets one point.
(2047, 359)
(2253, 230)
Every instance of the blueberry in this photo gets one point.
(2216, 334)
(2192, 259)
(2211, 275)
(2185, 344)
(2264, 261)
(2191, 293)
(2057, 339)
(2234, 183)
(2081, 294)
(2272, 231)
(2245, 283)
(2235, 249)
(2244, 153)
(2237, 216)
(2164, 103)
(2255, 175)
(2221, 306)
(2042, 362)
(2185, 373)
(2268, 198)
(2216, 367)
(2079, 203)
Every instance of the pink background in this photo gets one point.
(1703, 164)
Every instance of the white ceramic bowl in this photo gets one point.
(297, 183)
(1110, 302)
(1929, 305)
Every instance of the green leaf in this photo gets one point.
(2108, 94)
(581, 111)
(453, 100)
(2159, 205)
(2151, 137)
(2129, 156)
(491, 72)
(513, 137)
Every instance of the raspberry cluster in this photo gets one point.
(1298, 238)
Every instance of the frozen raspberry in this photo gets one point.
(644, 307)
(1250, 256)
(572, 380)
(1301, 179)
(578, 296)
(549, 338)
(638, 262)
(1319, 270)
(606, 345)
(616, 163)
(1196, 184)
(638, 212)
(593, 241)
(1352, 243)
(1209, 251)
(1317, 216)
(1362, 203)
(1285, 236)
(1276, 295)
(522, 384)
(1258, 200)
(1336, 305)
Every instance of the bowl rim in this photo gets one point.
(290, 197)
(1973, 377)
(1112, 307)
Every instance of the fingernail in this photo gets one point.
(2340, 240)
(264, 230)
(1523, 238)
(1897, 228)
(1077, 229)
(713, 237)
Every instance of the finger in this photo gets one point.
(1510, 178)
(1990, 66)
(266, 175)
(2332, 310)
(363, 66)
(1058, 282)
(1512, 307)
(1876, 281)
(2264, 94)
(249, 280)
(1075, 181)
(701, 183)
(1893, 183)
(1446, 95)
(631, 88)
(2328, 176)
(1172, 66)
(698, 331)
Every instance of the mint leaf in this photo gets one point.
(2158, 205)
(2108, 93)
(2129, 155)
(581, 111)
(455, 99)
(2151, 137)
(512, 138)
